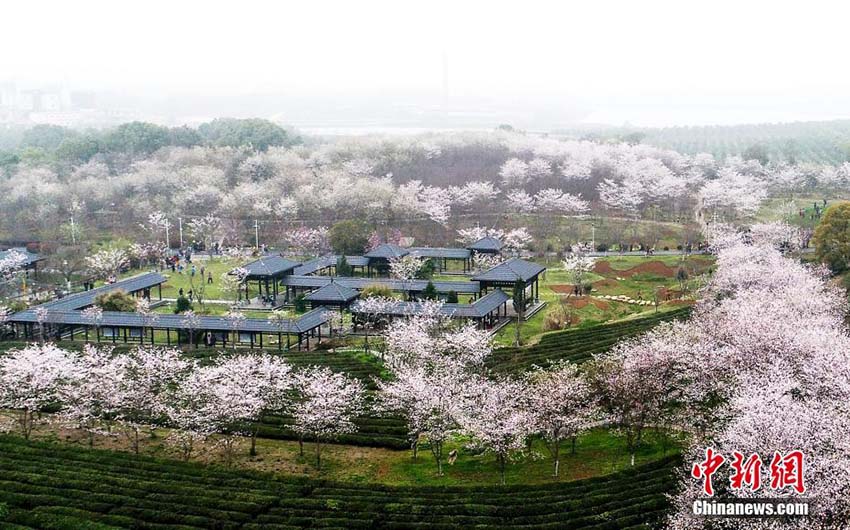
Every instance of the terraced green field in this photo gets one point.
(47, 485)
(576, 345)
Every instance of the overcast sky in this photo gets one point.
(679, 61)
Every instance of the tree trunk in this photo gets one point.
(501, 459)
(518, 339)
(301, 444)
(318, 453)
(557, 458)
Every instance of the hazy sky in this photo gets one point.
(629, 60)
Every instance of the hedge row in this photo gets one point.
(60, 486)
(577, 345)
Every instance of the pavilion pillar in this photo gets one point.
(279, 342)
(261, 339)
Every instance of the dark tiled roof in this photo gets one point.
(436, 252)
(270, 266)
(478, 309)
(333, 292)
(323, 262)
(395, 285)
(485, 244)
(387, 251)
(305, 322)
(86, 298)
(510, 271)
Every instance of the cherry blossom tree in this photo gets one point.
(235, 320)
(430, 400)
(514, 173)
(556, 201)
(516, 240)
(472, 234)
(206, 229)
(93, 316)
(107, 263)
(233, 282)
(482, 261)
(433, 368)
(518, 201)
(406, 268)
(561, 404)
(147, 253)
(497, 418)
(146, 376)
(371, 309)
(93, 396)
(11, 264)
(308, 241)
(149, 317)
(578, 265)
(190, 412)
(636, 386)
(274, 382)
(327, 405)
(192, 322)
(32, 378)
(41, 315)
(229, 402)
(159, 221)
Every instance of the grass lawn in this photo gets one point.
(176, 281)
(598, 452)
(788, 209)
(651, 274)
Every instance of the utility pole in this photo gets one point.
(257, 233)
(180, 226)
(593, 238)
(167, 239)
(73, 232)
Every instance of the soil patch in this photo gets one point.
(681, 302)
(650, 267)
(601, 304)
(603, 267)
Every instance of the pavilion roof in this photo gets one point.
(486, 244)
(86, 298)
(477, 309)
(333, 292)
(323, 262)
(306, 322)
(269, 267)
(441, 252)
(510, 271)
(360, 283)
(387, 251)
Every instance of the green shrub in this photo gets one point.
(116, 300)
